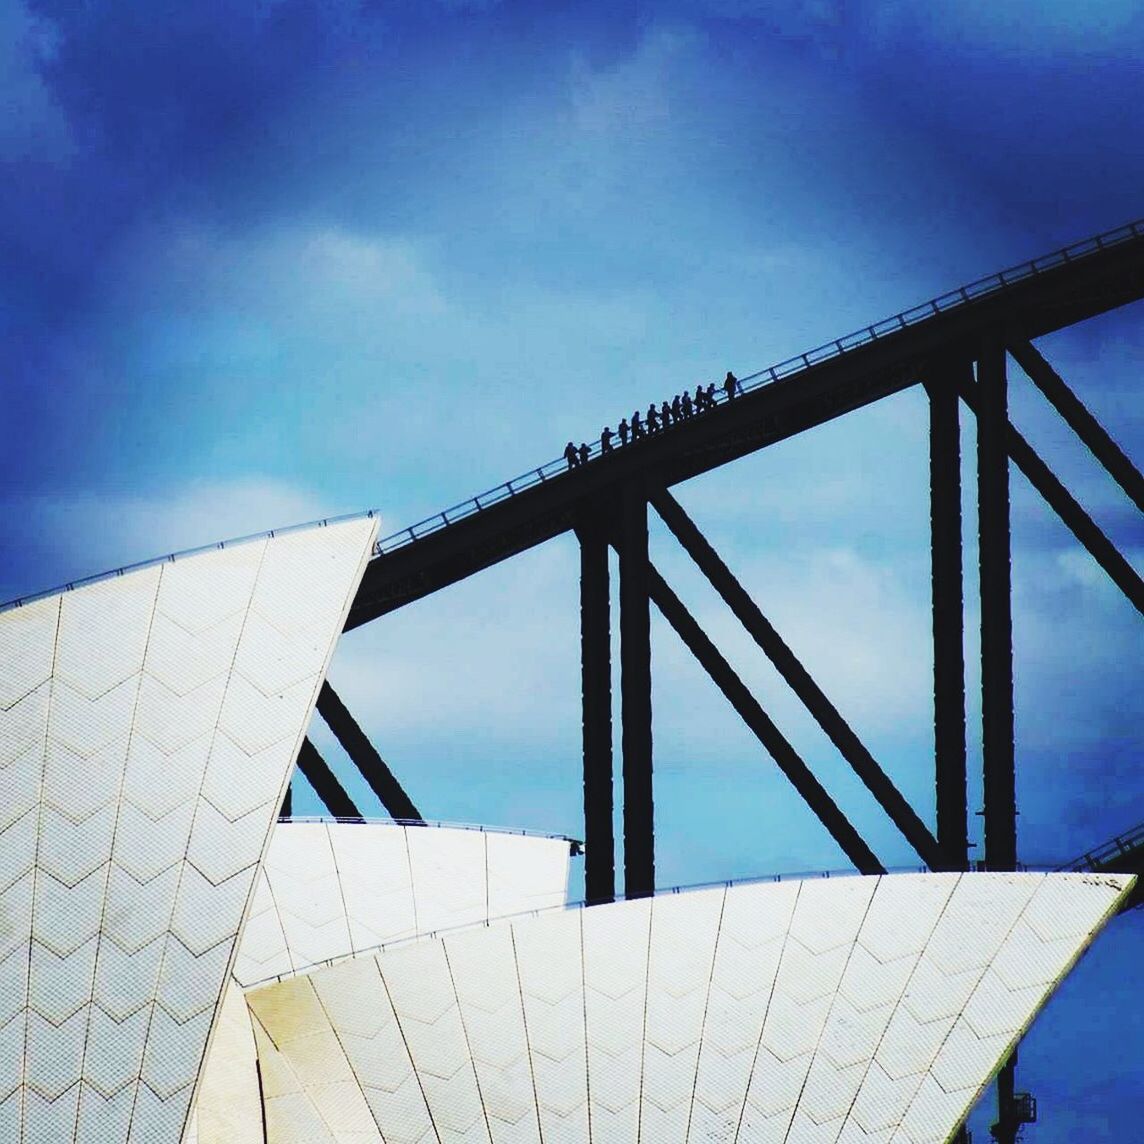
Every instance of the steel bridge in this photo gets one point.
(957, 347)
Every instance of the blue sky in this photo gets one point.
(276, 261)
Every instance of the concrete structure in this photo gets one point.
(170, 971)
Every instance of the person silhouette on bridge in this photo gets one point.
(571, 455)
(606, 440)
(584, 453)
(637, 426)
(711, 396)
(652, 418)
(730, 382)
(622, 430)
(700, 399)
(665, 415)
(676, 409)
(685, 405)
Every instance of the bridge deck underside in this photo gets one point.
(1036, 306)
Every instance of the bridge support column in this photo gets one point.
(996, 610)
(372, 766)
(948, 622)
(635, 689)
(596, 692)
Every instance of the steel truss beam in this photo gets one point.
(948, 610)
(373, 768)
(1082, 422)
(596, 691)
(325, 782)
(750, 711)
(798, 678)
(1062, 502)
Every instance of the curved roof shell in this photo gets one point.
(328, 890)
(851, 1009)
(148, 726)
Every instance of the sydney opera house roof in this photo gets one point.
(178, 965)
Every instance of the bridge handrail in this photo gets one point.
(951, 300)
(1121, 844)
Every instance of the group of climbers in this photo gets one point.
(682, 407)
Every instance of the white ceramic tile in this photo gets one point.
(199, 603)
(19, 791)
(49, 1120)
(228, 1106)
(525, 873)
(85, 724)
(220, 848)
(483, 967)
(27, 648)
(52, 1054)
(59, 986)
(683, 933)
(115, 1051)
(66, 917)
(102, 1117)
(24, 725)
(174, 1051)
(448, 877)
(110, 832)
(103, 631)
(182, 660)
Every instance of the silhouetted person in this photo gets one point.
(622, 429)
(676, 411)
(700, 399)
(652, 418)
(637, 426)
(711, 396)
(730, 382)
(571, 455)
(685, 405)
(606, 440)
(665, 414)
(583, 453)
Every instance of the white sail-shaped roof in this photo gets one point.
(331, 889)
(328, 890)
(853, 1009)
(148, 726)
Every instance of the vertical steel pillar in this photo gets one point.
(1008, 1124)
(996, 610)
(948, 622)
(596, 692)
(635, 689)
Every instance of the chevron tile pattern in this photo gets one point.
(841, 1010)
(331, 889)
(148, 724)
(328, 890)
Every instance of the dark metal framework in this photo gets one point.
(958, 348)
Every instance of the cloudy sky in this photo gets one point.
(277, 260)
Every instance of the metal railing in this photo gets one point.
(952, 300)
(371, 820)
(1094, 860)
(725, 883)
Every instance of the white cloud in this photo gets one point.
(87, 533)
(635, 93)
(32, 125)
